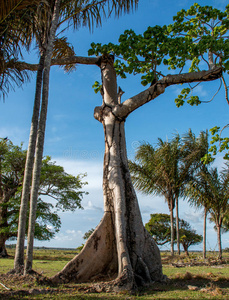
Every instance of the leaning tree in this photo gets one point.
(120, 248)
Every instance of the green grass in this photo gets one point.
(210, 282)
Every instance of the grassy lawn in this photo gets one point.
(187, 279)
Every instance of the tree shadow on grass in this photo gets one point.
(186, 286)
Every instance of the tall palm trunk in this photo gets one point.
(40, 138)
(204, 233)
(219, 241)
(172, 231)
(19, 254)
(177, 227)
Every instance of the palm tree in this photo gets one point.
(196, 189)
(155, 171)
(218, 185)
(210, 189)
(198, 195)
(167, 169)
(80, 13)
(39, 28)
(15, 24)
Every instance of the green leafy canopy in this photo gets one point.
(55, 183)
(183, 44)
(196, 40)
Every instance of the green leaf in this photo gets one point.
(97, 87)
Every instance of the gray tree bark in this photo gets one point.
(177, 226)
(120, 248)
(204, 233)
(218, 227)
(3, 224)
(19, 254)
(40, 138)
(130, 254)
(3, 252)
(172, 232)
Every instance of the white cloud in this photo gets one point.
(69, 235)
(193, 217)
(199, 90)
(91, 206)
(93, 168)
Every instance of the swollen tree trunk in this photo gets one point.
(204, 233)
(19, 254)
(177, 227)
(219, 241)
(120, 247)
(40, 139)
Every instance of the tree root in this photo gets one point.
(98, 257)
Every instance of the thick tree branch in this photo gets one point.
(128, 106)
(20, 65)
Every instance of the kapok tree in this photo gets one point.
(120, 248)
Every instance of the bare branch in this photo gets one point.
(128, 106)
(226, 89)
(5, 287)
(214, 94)
(62, 61)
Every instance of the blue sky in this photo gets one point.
(75, 139)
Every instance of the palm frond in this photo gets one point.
(62, 48)
(11, 77)
(91, 12)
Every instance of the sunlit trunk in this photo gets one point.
(172, 231)
(177, 227)
(204, 233)
(40, 138)
(19, 253)
(219, 241)
(120, 247)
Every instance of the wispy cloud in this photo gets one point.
(91, 206)
(69, 235)
(93, 168)
(193, 217)
(16, 134)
